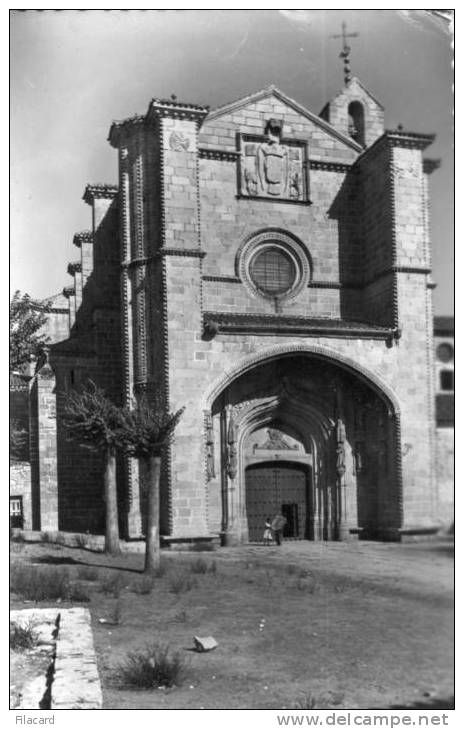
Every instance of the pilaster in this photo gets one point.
(44, 474)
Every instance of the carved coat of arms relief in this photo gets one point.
(271, 168)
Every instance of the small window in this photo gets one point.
(445, 352)
(356, 122)
(16, 512)
(447, 380)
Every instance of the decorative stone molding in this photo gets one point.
(222, 279)
(84, 236)
(160, 108)
(409, 140)
(120, 130)
(228, 323)
(316, 164)
(399, 269)
(316, 350)
(188, 252)
(274, 237)
(92, 192)
(74, 267)
(218, 154)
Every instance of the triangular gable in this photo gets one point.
(355, 81)
(274, 91)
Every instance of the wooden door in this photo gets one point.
(277, 487)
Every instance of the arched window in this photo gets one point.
(356, 122)
(447, 380)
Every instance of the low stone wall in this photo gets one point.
(72, 681)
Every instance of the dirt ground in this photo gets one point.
(343, 625)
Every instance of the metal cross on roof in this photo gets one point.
(345, 52)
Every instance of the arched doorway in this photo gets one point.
(346, 429)
(282, 487)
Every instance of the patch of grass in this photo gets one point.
(202, 547)
(39, 583)
(324, 701)
(87, 573)
(81, 540)
(77, 593)
(16, 547)
(150, 668)
(303, 584)
(202, 566)
(180, 617)
(112, 585)
(142, 585)
(22, 636)
(293, 569)
(116, 613)
(181, 582)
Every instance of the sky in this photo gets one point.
(74, 72)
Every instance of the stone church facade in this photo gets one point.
(269, 269)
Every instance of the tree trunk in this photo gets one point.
(112, 545)
(152, 544)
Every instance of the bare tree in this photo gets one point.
(95, 422)
(149, 429)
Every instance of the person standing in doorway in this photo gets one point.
(277, 526)
(267, 536)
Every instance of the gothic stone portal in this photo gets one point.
(302, 435)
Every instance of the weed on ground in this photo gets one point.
(152, 667)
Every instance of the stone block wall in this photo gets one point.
(444, 467)
(20, 485)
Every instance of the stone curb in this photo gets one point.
(75, 682)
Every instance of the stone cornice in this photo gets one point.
(218, 154)
(222, 279)
(176, 110)
(99, 191)
(119, 128)
(317, 164)
(69, 291)
(399, 269)
(411, 140)
(430, 165)
(254, 324)
(84, 236)
(391, 139)
(188, 252)
(75, 267)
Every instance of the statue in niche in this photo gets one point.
(358, 457)
(340, 435)
(272, 158)
(295, 185)
(232, 456)
(210, 471)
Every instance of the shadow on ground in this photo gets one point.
(430, 704)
